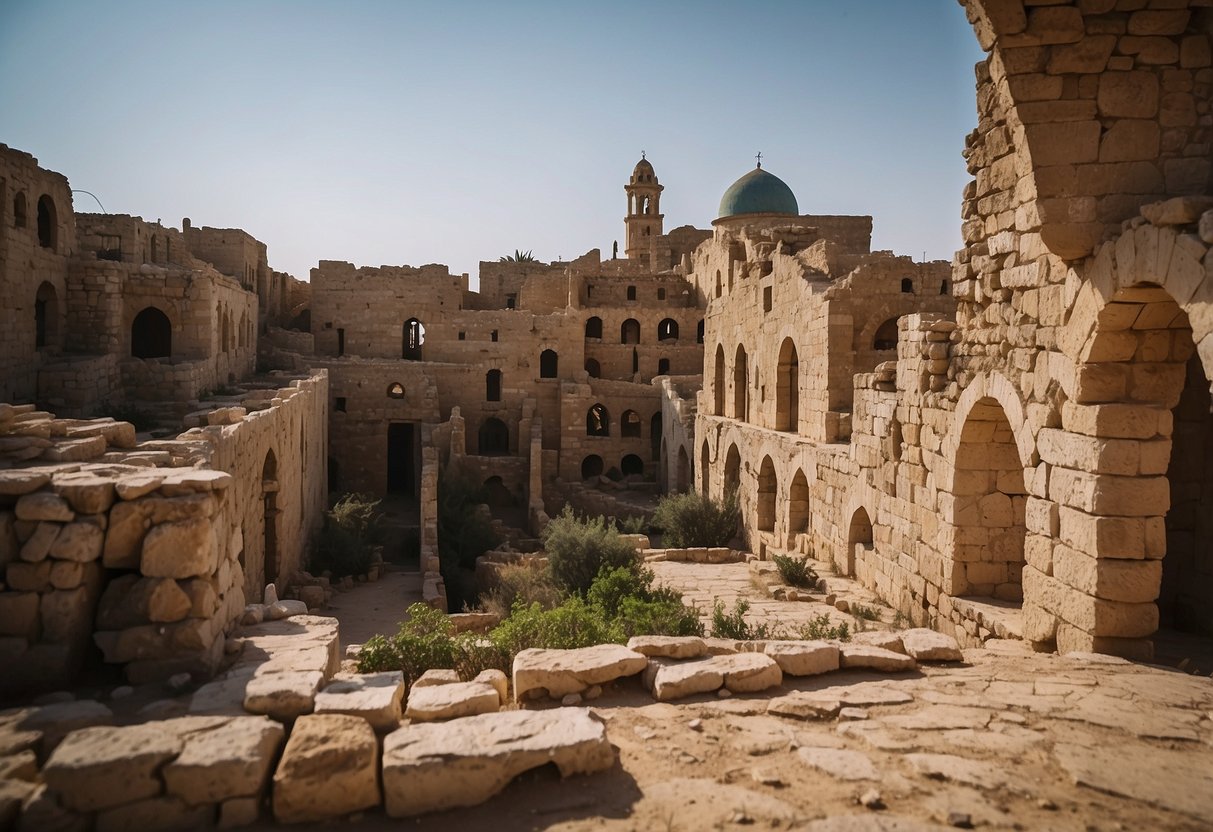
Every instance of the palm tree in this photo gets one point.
(519, 256)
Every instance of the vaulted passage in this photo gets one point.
(768, 487)
(151, 334)
(787, 388)
(740, 384)
(798, 507)
(718, 382)
(494, 437)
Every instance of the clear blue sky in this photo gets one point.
(454, 132)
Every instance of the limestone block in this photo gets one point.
(880, 638)
(87, 493)
(560, 672)
(330, 768)
(839, 763)
(75, 450)
(181, 549)
(233, 760)
(38, 546)
(130, 601)
(438, 702)
(1180, 210)
(19, 615)
(803, 658)
(375, 697)
(874, 658)
(102, 767)
(283, 695)
(28, 577)
(739, 672)
(67, 615)
(433, 766)
(17, 482)
(156, 814)
(799, 706)
(80, 541)
(672, 647)
(929, 646)
(44, 506)
(498, 680)
(134, 486)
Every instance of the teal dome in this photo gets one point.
(758, 192)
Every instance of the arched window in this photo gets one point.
(629, 332)
(740, 383)
(48, 222)
(629, 425)
(718, 381)
(413, 337)
(943, 287)
(732, 471)
(631, 293)
(46, 316)
(631, 465)
(886, 336)
(20, 212)
(492, 386)
(494, 437)
(597, 421)
(548, 363)
(907, 286)
(151, 334)
(591, 466)
(787, 388)
(593, 327)
(699, 332)
(663, 366)
(155, 246)
(667, 330)
(768, 486)
(798, 504)
(593, 368)
(395, 390)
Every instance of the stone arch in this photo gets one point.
(549, 363)
(592, 368)
(663, 366)
(48, 223)
(860, 539)
(787, 388)
(741, 388)
(151, 334)
(46, 316)
(597, 421)
(631, 465)
(667, 330)
(493, 437)
(718, 382)
(998, 387)
(629, 424)
(591, 466)
(886, 335)
(412, 340)
(629, 331)
(593, 327)
(395, 390)
(682, 478)
(732, 471)
(798, 506)
(768, 491)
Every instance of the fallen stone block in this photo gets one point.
(283, 695)
(929, 646)
(561, 672)
(103, 767)
(437, 702)
(329, 769)
(671, 647)
(874, 658)
(433, 766)
(54, 722)
(498, 680)
(436, 676)
(803, 658)
(232, 760)
(375, 697)
(883, 639)
(738, 672)
(285, 609)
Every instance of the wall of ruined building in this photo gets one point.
(679, 405)
(232, 252)
(28, 267)
(148, 552)
(619, 398)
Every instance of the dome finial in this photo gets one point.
(759, 157)
(642, 155)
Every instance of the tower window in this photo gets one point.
(631, 293)
(661, 294)
(339, 404)
(493, 335)
(766, 299)
(907, 286)
(511, 301)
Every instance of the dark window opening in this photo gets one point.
(591, 466)
(632, 465)
(493, 336)
(667, 330)
(403, 458)
(46, 316)
(494, 437)
(629, 425)
(593, 328)
(413, 338)
(907, 286)
(151, 334)
(339, 404)
(631, 293)
(492, 386)
(48, 222)
(597, 421)
(635, 360)
(548, 364)
(629, 332)
(663, 366)
(20, 217)
(661, 294)
(699, 332)
(886, 336)
(511, 301)
(463, 336)
(766, 299)
(593, 368)
(340, 341)
(395, 390)
(111, 248)
(943, 287)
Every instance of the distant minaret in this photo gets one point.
(644, 217)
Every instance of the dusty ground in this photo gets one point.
(1008, 739)
(375, 607)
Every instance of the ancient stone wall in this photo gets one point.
(679, 402)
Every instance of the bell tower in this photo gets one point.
(644, 218)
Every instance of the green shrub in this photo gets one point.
(579, 549)
(693, 520)
(347, 538)
(518, 582)
(627, 597)
(636, 524)
(424, 641)
(464, 533)
(794, 571)
(359, 515)
(733, 624)
(572, 624)
(865, 613)
(822, 629)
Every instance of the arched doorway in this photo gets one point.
(593, 328)
(787, 388)
(631, 465)
(683, 478)
(493, 437)
(768, 488)
(886, 336)
(859, 539)
(548, 364)
(629, 332)
(48, 223)
(798, 508)
(718, 382)
(151, 334)
(732, 471)
(591, 466)
(46, 316)
(740, 384)
(592, 368)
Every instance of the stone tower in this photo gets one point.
(644, 210)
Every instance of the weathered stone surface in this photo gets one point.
(437, 702)
(283, 695)
(671, 647)
(436, 676)
(285, 609)
(883, 639)
(803, 658)
(38, 546)
(328, 769)
(560, 672)
(800, 706)
(959, 770)
(738, 672)
(156, 814)
(839, 763)
(929, 646)
(44, 506)
(1157, 776)
(87, 493)
(874, 658)
(373, 696)
(231, 760)
(179, 550)
(498, 680)
(102, 767)
(54, 722)
(434, 766)
(79, 541)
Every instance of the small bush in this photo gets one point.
(822, 629)
(579, 549)
(424, 641)
(464, 533)
(517, 582)
(347, 538)
(733, 624)
(693, 520)
(627, 596)
(572, 624)
(636, 524)
(865, 613)
(794, 571)
(359, 515)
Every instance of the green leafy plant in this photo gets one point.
(794, 571)
(351, 530)
(732, 624)
(578, 549)
(519, 256)
(635, 524)
(694, 520)
(821, 628)
(865, 613)
(464, 532)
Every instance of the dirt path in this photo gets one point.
(374, 608)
